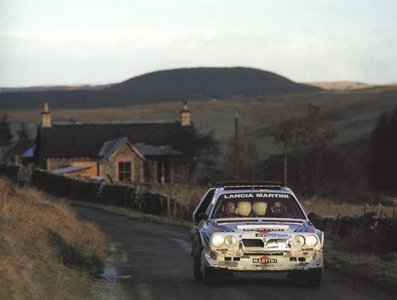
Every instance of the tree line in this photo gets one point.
(6, 134)
(311, 160)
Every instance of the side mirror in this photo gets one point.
(200, 216)
(313, 217)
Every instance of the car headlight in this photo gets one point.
(298, 241)
(311, 240)
(230, 241)
(217, 240)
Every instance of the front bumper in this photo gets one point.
(265, 262)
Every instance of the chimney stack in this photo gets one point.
(46, 117)
(185, 116)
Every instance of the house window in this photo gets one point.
(125, 172)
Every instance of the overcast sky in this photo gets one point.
(108, 41)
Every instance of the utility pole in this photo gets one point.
(236, 154)
(285, 177)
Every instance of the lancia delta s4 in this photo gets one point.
(254, 228)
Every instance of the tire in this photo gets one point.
(196, 269)
(207, 274)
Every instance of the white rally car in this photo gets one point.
(257, 228)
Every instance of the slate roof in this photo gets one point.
(111, 146)
(28, 153)
(18, 148)
(86, 140)
(150, 150)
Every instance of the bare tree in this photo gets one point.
(310, 132)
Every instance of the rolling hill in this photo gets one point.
(163, 86)
(210, 83)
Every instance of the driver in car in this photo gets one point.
(230, 210)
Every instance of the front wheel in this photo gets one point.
(197, 269)
(207, 274)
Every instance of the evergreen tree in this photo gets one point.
(383, 152)
(197, 148)
(5, 131)
(23, 132)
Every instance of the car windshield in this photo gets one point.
(257, 204)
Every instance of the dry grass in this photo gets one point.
(369, 268)
(41, 245)
(185, 195)
(340, 85)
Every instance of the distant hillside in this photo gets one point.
(47, 88)
(340, 85)
(164, 86)
(211, 83)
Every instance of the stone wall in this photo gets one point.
(79, 189)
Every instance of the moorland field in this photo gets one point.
(352, 113)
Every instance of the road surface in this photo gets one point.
(152, 261)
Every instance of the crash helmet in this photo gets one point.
(244, 208)
(259, 208)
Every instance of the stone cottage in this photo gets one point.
(125, 152)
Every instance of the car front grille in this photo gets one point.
(253, 243)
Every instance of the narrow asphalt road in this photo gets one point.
(152, 261)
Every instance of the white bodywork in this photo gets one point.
(250, 242)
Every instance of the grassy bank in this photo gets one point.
(45, 251)
(380, 272)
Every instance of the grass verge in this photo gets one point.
(372, 269)
(45, 251)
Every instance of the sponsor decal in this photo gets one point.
(269, 195)
(264, 260)
(256, 195)
(270, 235)
(261, 234)
(273, 230)
(237, 196)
